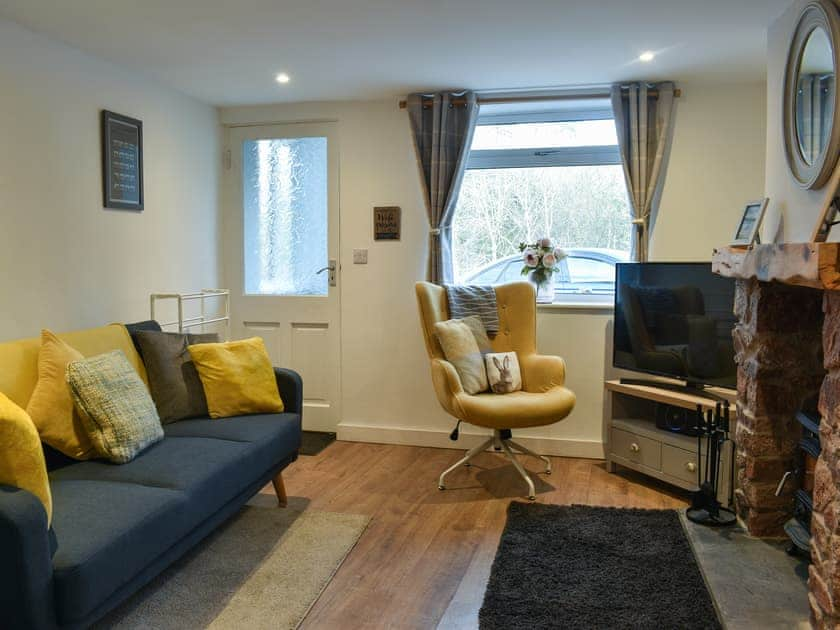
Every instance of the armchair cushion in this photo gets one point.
(461, 350)
(518, 409)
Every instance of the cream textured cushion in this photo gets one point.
(51, 404)
(503, 372)
(461, 350)
(116, 408)
(475, 324)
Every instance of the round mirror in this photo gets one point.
(815, 95)
(812, 132)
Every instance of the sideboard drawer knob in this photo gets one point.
(691, 467)
(634, 448)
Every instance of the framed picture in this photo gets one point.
(122, 162)
(386, 223)
(747, 232)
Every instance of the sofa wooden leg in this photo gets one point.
(280, 489)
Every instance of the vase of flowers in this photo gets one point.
(540, 262)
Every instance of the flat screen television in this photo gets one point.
(675, 320)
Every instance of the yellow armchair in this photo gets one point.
(543, 400)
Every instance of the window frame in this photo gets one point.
(547, 157)
(590, 155)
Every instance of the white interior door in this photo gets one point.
(281, 254)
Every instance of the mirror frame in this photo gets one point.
(816, 14)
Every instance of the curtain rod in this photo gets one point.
(556, 97)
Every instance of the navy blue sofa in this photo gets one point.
(115, 527)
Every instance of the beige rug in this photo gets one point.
(264, 569)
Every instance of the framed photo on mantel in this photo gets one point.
(122, 161)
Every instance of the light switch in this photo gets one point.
(360, 256)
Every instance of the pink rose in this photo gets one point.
(559, 254)
(545, 242)
(549, 261)
(530, 257)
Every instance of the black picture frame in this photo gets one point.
(122, 162)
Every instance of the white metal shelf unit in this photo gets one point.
(202, 319)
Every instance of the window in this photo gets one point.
(555, 174)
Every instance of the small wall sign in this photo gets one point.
(122, 162)
(386, 223)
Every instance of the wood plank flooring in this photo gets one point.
(424, 560)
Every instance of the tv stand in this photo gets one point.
(633, 440)
(696, 389)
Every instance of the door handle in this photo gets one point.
(331, 269)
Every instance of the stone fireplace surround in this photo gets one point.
(787, 348)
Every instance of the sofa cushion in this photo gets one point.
(107, 532)
(237, 377)
(173, 379)
(51, 405)
(209, 472)
(268, 438)
(115, 406)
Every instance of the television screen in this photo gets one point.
(675, 319)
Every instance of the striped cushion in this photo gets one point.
(116, 409)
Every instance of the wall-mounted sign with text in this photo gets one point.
(386, 223)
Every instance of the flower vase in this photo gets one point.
(544, 285)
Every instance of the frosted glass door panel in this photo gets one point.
(285, 203)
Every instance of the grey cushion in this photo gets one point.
(173, 379)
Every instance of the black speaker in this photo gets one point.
(676, 419)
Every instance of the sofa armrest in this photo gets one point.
(26, 595)
(291, 389)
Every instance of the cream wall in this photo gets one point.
(717, 164)
(792, 212)
(66, 262)
(716, 167)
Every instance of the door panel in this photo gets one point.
(281, 235)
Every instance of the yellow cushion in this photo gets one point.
(237, 377)
(51, 405)
(22, 462)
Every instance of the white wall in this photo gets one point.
(717, 164)
(65, 261)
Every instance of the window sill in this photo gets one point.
(576, 306)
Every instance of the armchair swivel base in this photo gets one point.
(501, 442)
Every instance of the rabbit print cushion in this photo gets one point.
(503, 372)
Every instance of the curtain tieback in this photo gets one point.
(434, 232)
(641, 221)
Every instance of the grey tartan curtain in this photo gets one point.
(644, 122)
(442, 127)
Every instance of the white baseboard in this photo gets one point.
(588, 449)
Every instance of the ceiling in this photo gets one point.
(227, 52)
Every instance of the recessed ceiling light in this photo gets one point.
(282, 78)
(646, 56)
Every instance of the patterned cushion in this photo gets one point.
(115, 406)
(461, 350)
(503, 372)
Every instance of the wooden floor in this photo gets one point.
(424, 560)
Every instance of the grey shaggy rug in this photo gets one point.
(589, 567)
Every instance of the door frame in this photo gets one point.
(231, 236)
